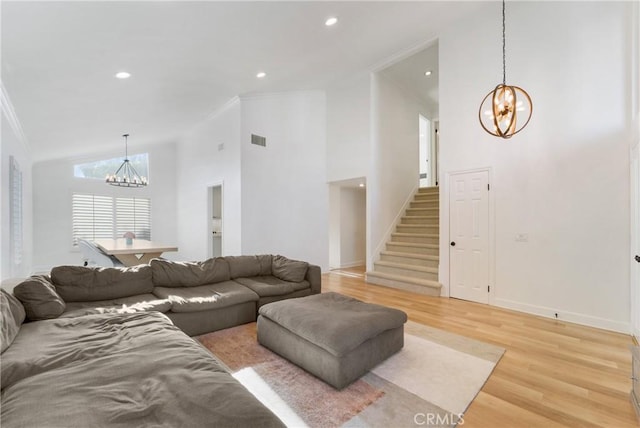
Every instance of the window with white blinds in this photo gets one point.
(133, 215)
(106, 217)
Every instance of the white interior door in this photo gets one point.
(469, 236)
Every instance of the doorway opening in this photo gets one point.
(347, 223)
(214, 220)
(435, 151)
(424, 132)
(428, 152)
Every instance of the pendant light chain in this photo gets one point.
(504, 49)
(506, 110)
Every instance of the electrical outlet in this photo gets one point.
(522, 237)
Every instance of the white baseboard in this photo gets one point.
(573, 317)
(352, 264)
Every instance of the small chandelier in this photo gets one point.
(506, 110)
(126, 175)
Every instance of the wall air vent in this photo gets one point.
(258, 140)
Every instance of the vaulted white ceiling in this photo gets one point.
(186, 59)
(410, 74)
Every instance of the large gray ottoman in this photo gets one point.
(332, 336)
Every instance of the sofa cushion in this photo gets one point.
(271, 286)
(12, 316)
(131, 304)
(247, 266)
(288, 270)
(203, 297)
(127, 370)
(91, 284)
(266, 260)
(167, 273)
(39, 298)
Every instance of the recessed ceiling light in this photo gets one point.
(428, 73)
(123, 75)
(261, 75)
(361, 185)
(331, 21)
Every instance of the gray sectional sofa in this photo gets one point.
(199, 297)
(105, 345)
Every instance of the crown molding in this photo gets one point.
(10, 114)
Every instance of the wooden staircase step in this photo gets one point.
(433, 229)
(413, 247)
(420, 238)
(424, 204)
(417, 259)
(423, 211)
(420, 219)
(407, 270)
(422, 286)
(426, 197)
(412, 256)
(432, 210)
(430, 190)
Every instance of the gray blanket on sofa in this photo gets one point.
(129, 370)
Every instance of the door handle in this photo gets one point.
(637, 258)
(453, 244)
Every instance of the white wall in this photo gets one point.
(348, 128)
(348, 152)
(565, 179)
(14, 145)
(634, 49)
(353, 216)
(285, 195)
(335, 213)
(54, 184)
(394, 159)
(200, 165)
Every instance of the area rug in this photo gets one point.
(431, 381)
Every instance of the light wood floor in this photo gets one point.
(553, 373)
